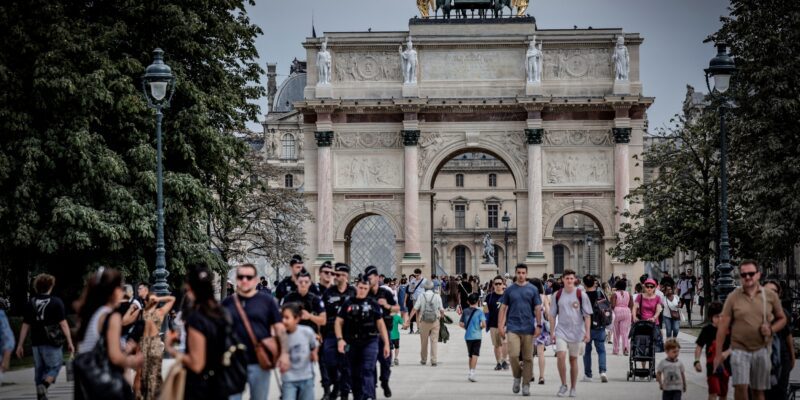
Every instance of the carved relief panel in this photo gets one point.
(359, 170)
(477, 64)
(374, 66)
(577, 137)
(577, 64)
(367, 140)
(578, 168)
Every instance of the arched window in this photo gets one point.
(461, 260)
(492, 180)
(288, 181)
(288, 147)
(558, 259)
(459, 180)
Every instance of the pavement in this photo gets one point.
(448, 380)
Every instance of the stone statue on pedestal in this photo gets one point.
(621, 60)
(324, 64)
(533, 60)
(409, 60)
(488, 249)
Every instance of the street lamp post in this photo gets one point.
(506, 220)
(158, 85)
(721, 67)
(277, 221)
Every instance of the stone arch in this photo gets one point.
(452, 150)
(386, 265)
(600, 219)
(352, 217)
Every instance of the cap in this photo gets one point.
(651, 282)
(342, 267)
(371, 270)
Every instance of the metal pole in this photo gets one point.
(160, 287)
(725, 281)
(506, 249)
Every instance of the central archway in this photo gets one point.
(370, 240)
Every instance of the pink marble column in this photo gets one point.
(411, 184)
(324, 196)
(534, 138)
(622, 137)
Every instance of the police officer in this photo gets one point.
(335, 365)
(386, 300)
(359, 330)
(312, 312)
(289, 284)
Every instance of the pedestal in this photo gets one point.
(534, 89)
(487, 271)
(324, 91)
(410, 90)
(622, 87)
(537, 265)
(407, 267)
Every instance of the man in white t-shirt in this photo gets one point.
(570, 317)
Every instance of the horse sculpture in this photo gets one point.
(484, 7)
(499, 5)
(444, 5)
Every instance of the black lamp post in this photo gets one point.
(721, 68)
(158, 85)
(506, 220)
(277, 221)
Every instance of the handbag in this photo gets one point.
(173, 387)
(268, 349)
(55, 335)
(96, 377)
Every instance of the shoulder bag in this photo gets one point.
(96, 377)
(268, 349)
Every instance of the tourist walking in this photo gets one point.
(597, 331)
(543, 340)
(464, 290)
(717, 380)
(6, 340)
(492, 301)
(473, 321)
(336, 363)
(570, 317)
(672, 312)
(747, 312)
(622, 303)
(388, 304)
(520, 320)
(156, 308)
(394, 337)
(780, 388)
(45, 319)
(608, 291)
(428, 309)
(687, 286)
(359, 329)
(670, 373)
(97, 320)
(255, 314)
(298, 380)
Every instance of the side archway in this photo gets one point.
(371, 240)
(597, 216)
(431, 170)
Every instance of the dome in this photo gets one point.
(291, 90)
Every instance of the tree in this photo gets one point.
(764, 133)
(77, 155)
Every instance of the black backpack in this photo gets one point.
(231, 370)
(602, 315)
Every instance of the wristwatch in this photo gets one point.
(540, 326)
(338, 339)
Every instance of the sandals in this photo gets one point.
(541, 381)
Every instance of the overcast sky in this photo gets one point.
(673, 53)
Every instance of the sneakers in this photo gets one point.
(562, 391)
(526, 390)
(433, 364)
(386, 391)
(572, 392)
(505, 365)
(586, 378)
(603, 377)
(422, 362)
(515, 386)
(498, 367)
(471, 377)
(396, 361)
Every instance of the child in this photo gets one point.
(473, 320)
(717, 380)
(670, 374)
(298, 381)
(394, 337)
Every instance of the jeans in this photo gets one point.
(337, 365)
(47, 361)
(672, 326)
(298, 390)
(363, 357)
(385, 363)
(258, 380)
(598, 337)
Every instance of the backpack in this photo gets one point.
(428, 313)
(602, 315)
(231, 373)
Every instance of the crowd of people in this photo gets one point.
(350, 326)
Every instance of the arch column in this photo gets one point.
(535, 257)
(324, 197)
(412, 257)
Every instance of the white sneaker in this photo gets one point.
(471, 377)
(515, 386)
(603, 377)
(562, 391)
(526, 390)
(586, 379)
(572, 393)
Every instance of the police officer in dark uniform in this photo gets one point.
(289, 284)
(335, 364)
(359, 330)
(386, 300)
(312, 312)
(325, 281)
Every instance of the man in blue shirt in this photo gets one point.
(520, 320)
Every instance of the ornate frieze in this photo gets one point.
(430, 144)
(373, 66)
(577, 137)
(366, 140)
(515, 143)
(472, 65)
(577, 64)
(368, 171)
(578, 168)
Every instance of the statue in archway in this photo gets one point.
(324, 64)
(488, 249)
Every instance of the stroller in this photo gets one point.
(643, 337)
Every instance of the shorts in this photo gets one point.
(497, 341)
(474, 348)
(718, 385)
(394, 344)
(574, 349)
(751, 368)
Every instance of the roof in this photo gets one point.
(291, 90)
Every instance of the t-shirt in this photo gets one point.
(396, 321)
(747, 315)
(570, 313)
(300, 343)
(43, 310)
(387, 294)
(671, 378)
(464, 290)
(473, 330)
(213, 331)
(333, 299)
(493, 305)
(310, 302)
(708, 340)
(262, 311)
(360, 319)
(521, 300)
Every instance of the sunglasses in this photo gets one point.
(326, 272)
(649, 286)
(498, 283)
(245, 277)
(747, 274)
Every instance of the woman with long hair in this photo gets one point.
(155, 309)
(205, 330)
(622, 304)
(95, 308)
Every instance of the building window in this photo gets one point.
(492, 219)
(288, 181)
(460, 216)
(558, 259)
(288, 145)
(560, 223)
(492, 180)
(459, 180)
(461, 260)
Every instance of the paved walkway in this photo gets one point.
(448, 380)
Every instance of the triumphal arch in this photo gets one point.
(562, 110)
